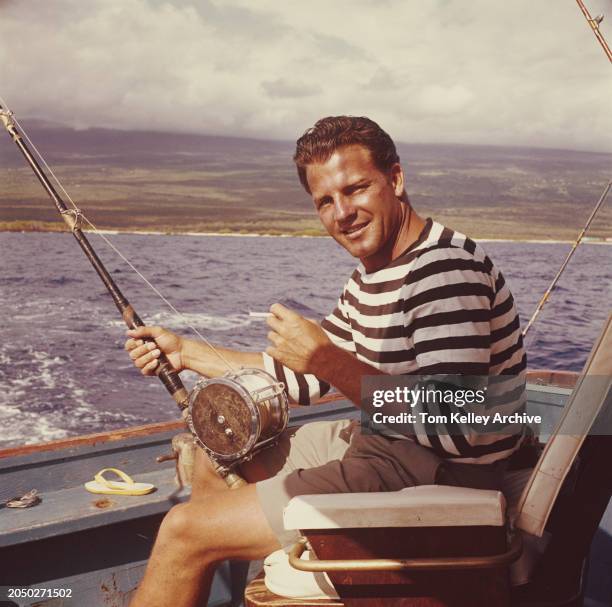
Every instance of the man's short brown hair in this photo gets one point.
(318, 143)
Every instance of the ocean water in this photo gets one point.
(63, 371)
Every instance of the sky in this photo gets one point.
(429, 71)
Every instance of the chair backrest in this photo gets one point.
(589, 403)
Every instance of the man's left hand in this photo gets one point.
(297, 342)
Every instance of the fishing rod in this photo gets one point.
(230, 418)
(594, 23)
(73, 219)
(553, 284)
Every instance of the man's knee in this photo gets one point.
(228, 524)
(178, 529)
(176, 522)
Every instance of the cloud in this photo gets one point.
(281, 87)
(518, 73)
(436, 100)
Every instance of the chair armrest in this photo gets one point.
(382, 564)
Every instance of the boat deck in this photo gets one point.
(74, 509)
(97, 544)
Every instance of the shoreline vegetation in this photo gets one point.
(41, 226)
(168, 183)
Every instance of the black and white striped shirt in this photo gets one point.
(441, 307)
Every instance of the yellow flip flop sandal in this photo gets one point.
(126, 486)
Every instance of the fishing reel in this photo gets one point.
(237, 415)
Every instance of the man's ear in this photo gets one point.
(397, 179)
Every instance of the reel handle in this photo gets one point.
(234, 480)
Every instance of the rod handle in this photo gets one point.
(164, 370)
(172, 382)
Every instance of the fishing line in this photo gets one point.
(109, 243)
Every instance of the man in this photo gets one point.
(424, 300)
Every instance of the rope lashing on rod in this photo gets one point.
(74, 218)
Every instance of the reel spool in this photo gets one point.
(234, 416)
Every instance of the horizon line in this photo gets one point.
(51, 125)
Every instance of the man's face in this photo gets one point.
(358, 204)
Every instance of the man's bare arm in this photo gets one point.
(344, 371)
(298, 343)
(202, 359)
(184, 353)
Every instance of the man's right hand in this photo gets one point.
(145, 354)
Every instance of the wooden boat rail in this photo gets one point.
(544, 377)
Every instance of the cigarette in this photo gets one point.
(260, 314)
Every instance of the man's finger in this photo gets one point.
(138, 352)
(141, 332)
(274, 323)
(142, 350)
(273, 337)
(282, 312)
(273, 352)
(131, 343)
(142, 361)
(148, 368)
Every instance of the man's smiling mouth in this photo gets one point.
(355, 231)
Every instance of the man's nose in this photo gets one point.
(343, 209)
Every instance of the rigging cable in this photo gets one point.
(594, 23)
(553, 284)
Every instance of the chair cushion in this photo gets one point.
(423, 506)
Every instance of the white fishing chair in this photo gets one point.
(450, 546)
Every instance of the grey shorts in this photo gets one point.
(335, 457)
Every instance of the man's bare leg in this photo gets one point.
(217, 523)
(194, 537)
